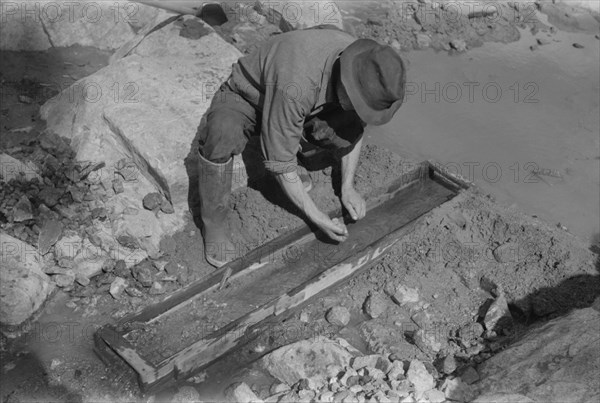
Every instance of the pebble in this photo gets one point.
(421, 379)
(578, 45)
(117, 287)
(470, 375)
(22, 210)
(117, 185)
(457, 390)
(435, 396)
(186, 394)
(338, 316)
(498, 314)
(143, 273)
(375, 305)
(404, 295)
(240, 392)
(157, 288)
(63, 280)
(449, 364)
(459, 45)
(396, 372)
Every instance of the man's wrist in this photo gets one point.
(347, 187)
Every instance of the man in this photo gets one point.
(318, 85)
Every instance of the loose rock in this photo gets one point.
(421, 379)
(375, 305)
(152, 201)
(498, 314)
(305, 359)
(117, 287)
(241, 393)
(338, 316)
(23, 210)
(404, 295)
(470, 375)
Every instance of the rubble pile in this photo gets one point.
(59, 206)
(369, 378)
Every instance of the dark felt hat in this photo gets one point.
(373, 76)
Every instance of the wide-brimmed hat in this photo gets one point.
(373, 76)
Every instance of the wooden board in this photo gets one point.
(267, 285)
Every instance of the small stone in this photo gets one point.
(396, 372)
(459, 45)
(470, 375)
(134, 292)
(157, 288)
(22, 210)
(498, 315)
(240, 392)
(326, 397)
(83, 280)
(66, 262)
(127, 241)
(506, 253)
(350, 372)
(152, 201)
(578, 45)
(304, 317)
(117, 287)
(186, 394)
(404, 295)
(374, 21)
(120, 268)
(338, 316)
(49, 235)
(435, 396)
(456, 389)
(533, 47)
(166, 207)
(55, 363)
(375, 305)
(449, 364)
(99, 213)
(421, 379)
(117, 185)
(109, 265)
(63, 280)
(543, 41)
(279, 388)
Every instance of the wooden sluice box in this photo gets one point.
(170, 340)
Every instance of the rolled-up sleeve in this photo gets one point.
(282, 127)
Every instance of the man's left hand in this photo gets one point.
(354, 203)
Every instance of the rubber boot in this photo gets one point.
(214, 185)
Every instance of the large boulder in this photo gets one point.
(306, 359)
(139, 116)
(556, 362)
(44, 24)
(23, 285)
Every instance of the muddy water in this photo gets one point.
(500, 113)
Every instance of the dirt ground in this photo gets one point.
(456, 259)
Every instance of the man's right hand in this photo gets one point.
(292, 186)
(334, 229)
